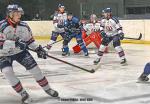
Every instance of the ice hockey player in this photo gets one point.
(58, 20)
(73, 29)
(111, 30)
(15, 37)
(144, 76)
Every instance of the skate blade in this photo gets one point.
(124, 64)
(30, 101)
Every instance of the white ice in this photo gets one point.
(110, 84)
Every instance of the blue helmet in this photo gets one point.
(61, 6)
(70, 14)
(107, 10)
(13, 8)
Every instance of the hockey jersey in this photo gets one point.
(111, 26)
(9, 33)
(59, 19)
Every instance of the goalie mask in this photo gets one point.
(93, 18)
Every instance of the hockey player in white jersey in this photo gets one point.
(15, 37)
(58, 20)
(111, 30)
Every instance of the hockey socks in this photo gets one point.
(42, 81)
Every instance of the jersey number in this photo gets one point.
(109, 28)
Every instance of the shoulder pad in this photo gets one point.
(3, 25)
(24, 24)
(115, 19)
(75, 19)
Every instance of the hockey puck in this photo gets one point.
(92, 71)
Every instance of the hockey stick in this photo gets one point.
(90, 71)
(139, 38)
(54, 42)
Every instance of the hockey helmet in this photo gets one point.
(13, 8)
(61, 6)
(107, 10)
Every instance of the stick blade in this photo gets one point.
(92, 71)
(140, 36)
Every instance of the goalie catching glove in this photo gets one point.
(41, 53)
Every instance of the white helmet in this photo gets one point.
(13, 8)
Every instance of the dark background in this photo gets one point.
(124, 9)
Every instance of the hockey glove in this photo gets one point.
(104, 36)
(121, 35)
(21, 44)
(41, 53)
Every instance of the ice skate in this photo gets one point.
(123, 62)
(66, 54)
(96, 61)
(26, 98)
(52, 92)
(143, 78)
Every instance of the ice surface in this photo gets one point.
(111, 84)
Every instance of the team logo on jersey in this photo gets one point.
(109, 28)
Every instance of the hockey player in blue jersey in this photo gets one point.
(144, 75)
(73, 30)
